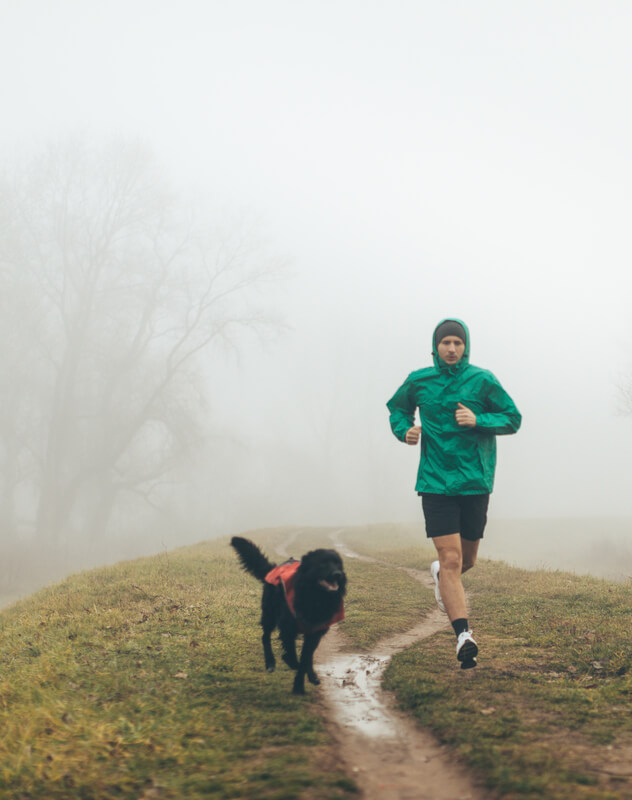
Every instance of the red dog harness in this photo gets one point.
(285, 575)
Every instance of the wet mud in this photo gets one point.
(389, 757)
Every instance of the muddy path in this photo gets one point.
(388, 755)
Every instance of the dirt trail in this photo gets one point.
(388, 756)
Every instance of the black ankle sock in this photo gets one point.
(459, 626)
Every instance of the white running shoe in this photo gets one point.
(434, 571)
(466, 650)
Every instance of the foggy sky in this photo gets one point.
(415, 160)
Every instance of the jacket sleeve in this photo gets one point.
(402, 407)
(503, 417)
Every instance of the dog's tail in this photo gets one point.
(251, 558)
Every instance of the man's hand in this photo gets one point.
(413, 434)
(464, 417)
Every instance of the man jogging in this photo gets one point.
(462, 409)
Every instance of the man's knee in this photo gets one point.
(451, 560)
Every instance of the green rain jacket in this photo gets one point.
(454, 460)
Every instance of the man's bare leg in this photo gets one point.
(450, 552)
(470, 552)
(457, 555)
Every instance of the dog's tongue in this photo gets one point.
(331, 587)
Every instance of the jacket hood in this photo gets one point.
(438, 362)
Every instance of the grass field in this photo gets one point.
(546, 714)
(145, 680)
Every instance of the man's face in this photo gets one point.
(450, 349)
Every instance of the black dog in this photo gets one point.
(298, 597)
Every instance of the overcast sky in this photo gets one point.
(415, 160)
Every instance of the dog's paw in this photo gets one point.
(298, 688)
(270, 665)
(312, 677)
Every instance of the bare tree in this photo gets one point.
(112, 294)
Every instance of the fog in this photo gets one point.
(409, 161)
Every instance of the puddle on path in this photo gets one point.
(352, 683)
(388, 756)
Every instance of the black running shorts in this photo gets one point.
(445, 514)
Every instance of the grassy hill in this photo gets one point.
(145, 680)
(546, 714)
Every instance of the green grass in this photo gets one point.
(547, 712)
(381, 602)
(146, 679)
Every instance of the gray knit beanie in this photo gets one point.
(449, 328)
